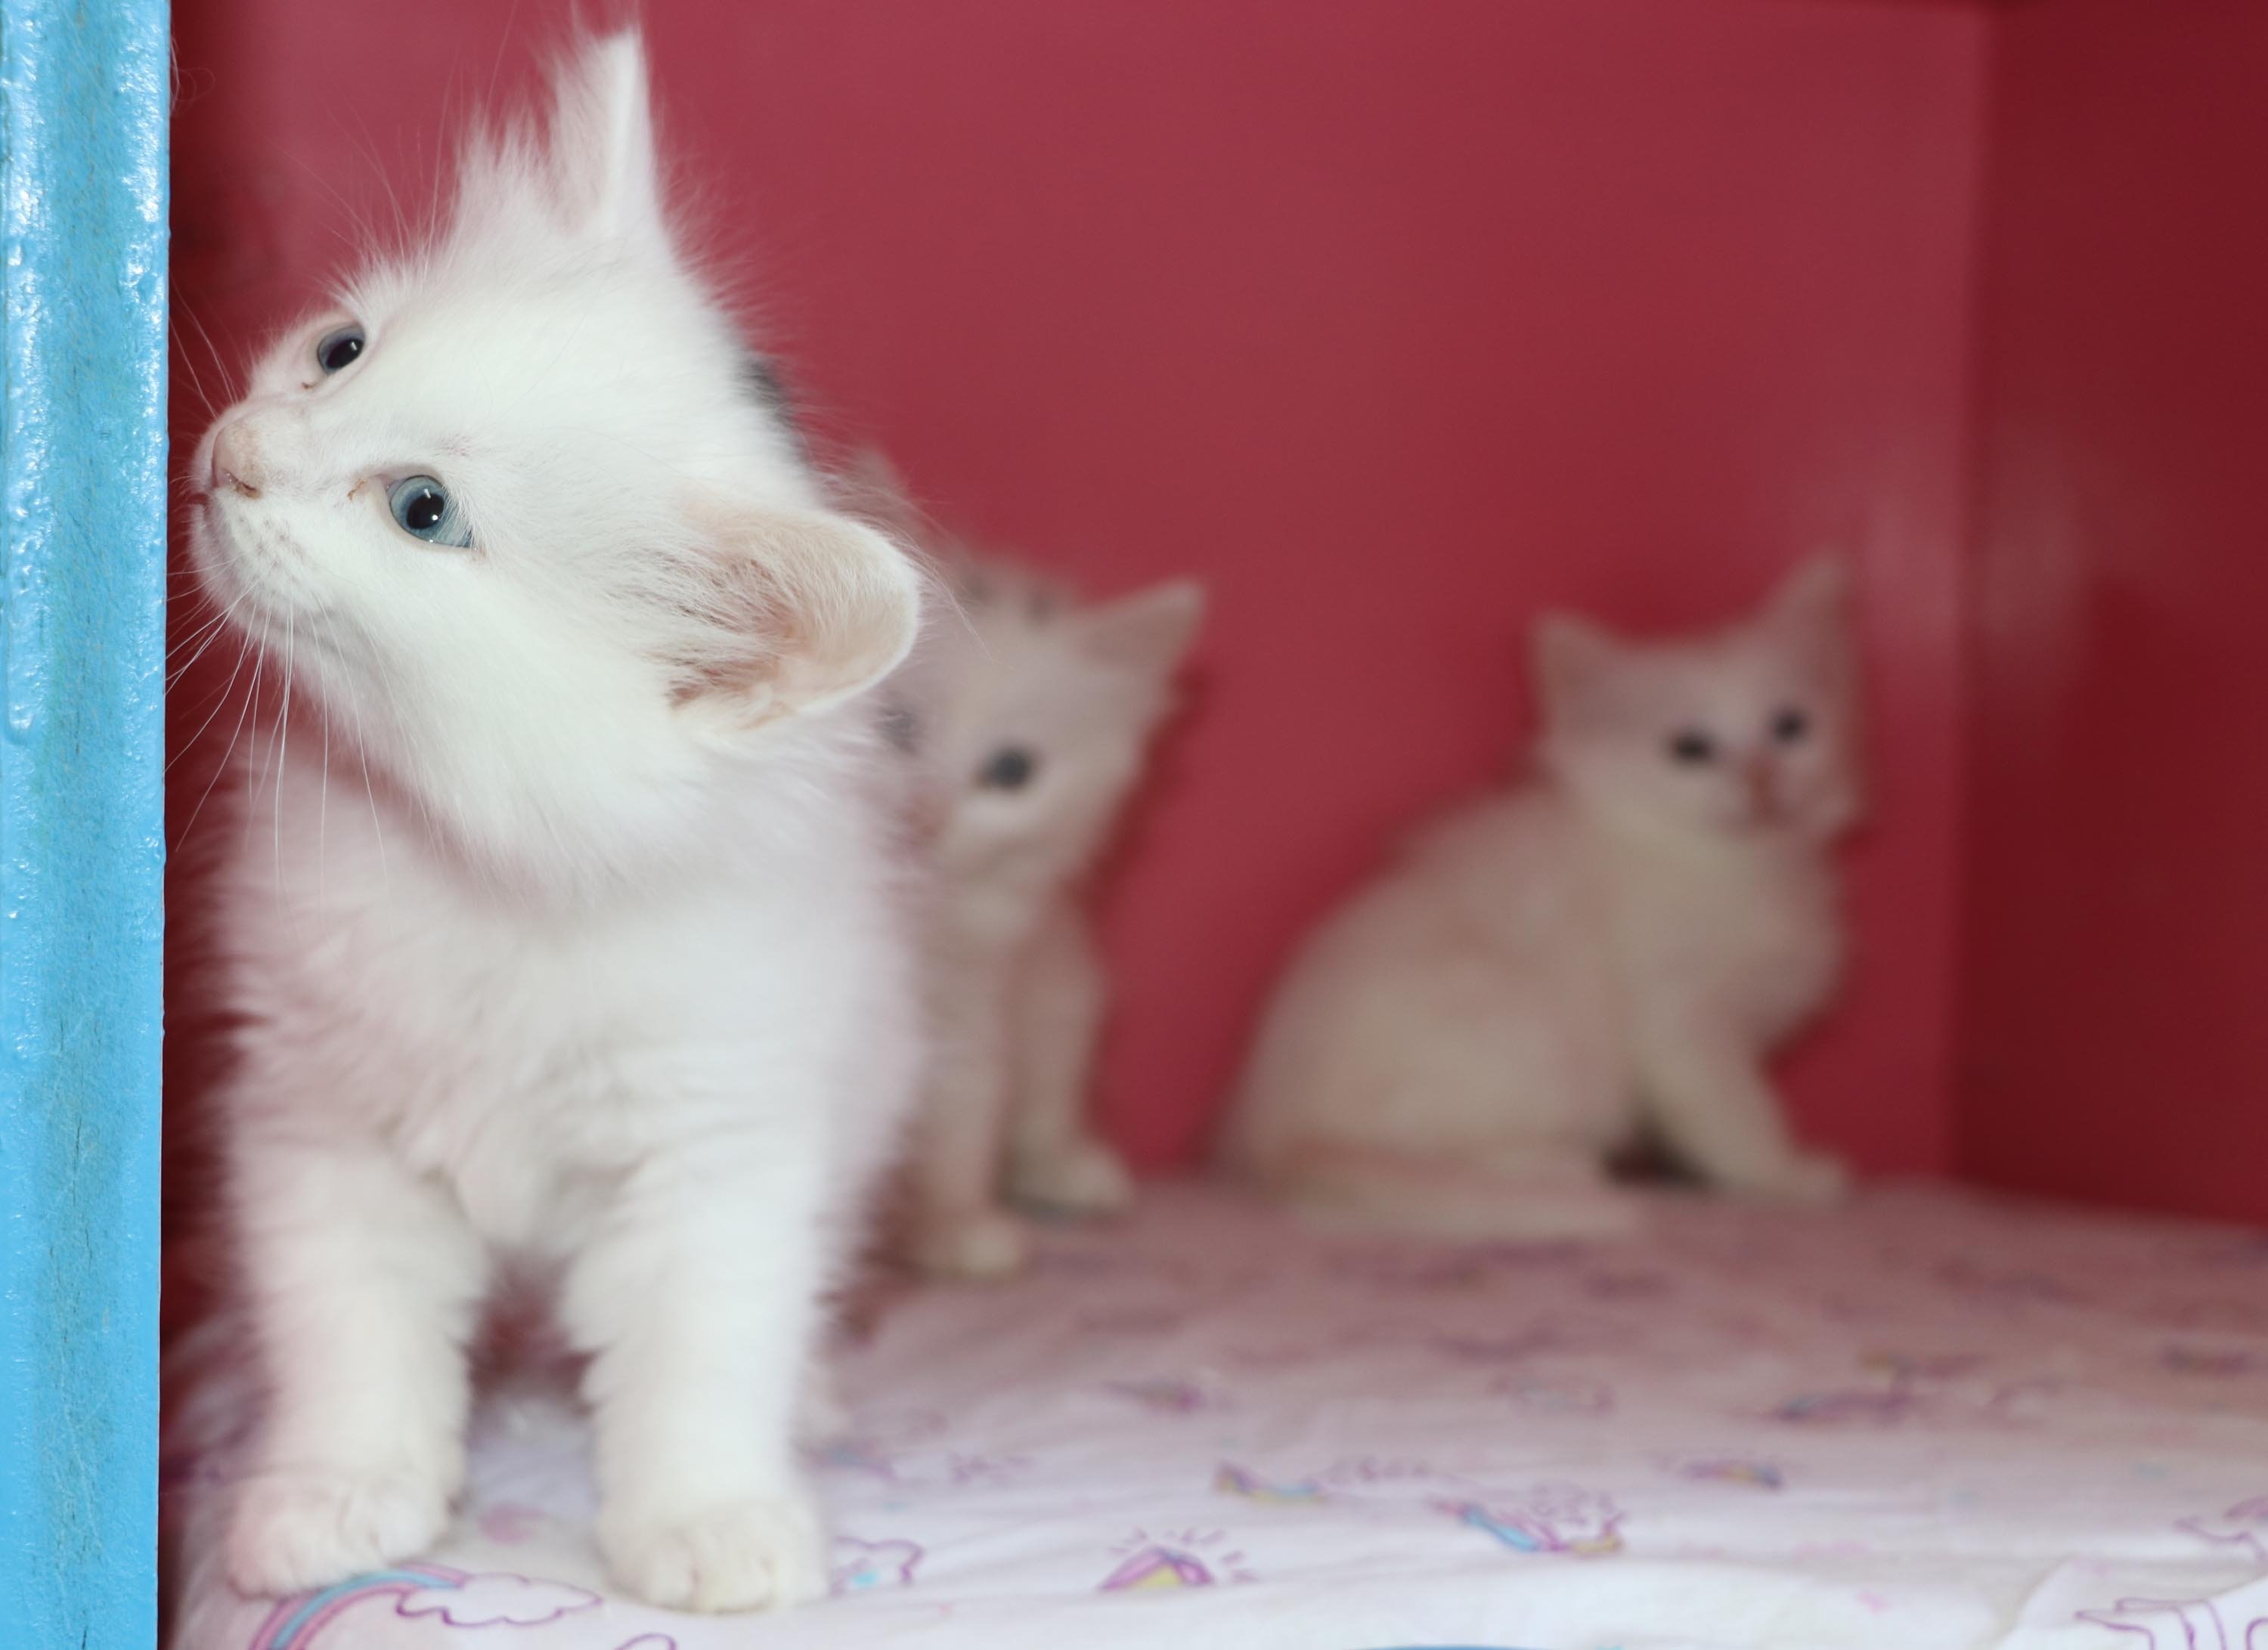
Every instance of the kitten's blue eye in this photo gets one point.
(1692, 746)
(423, 509)
(1790, 726)
(339, 349)
(1010, 767)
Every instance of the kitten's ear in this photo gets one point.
(1571, 654)
(1148, 631)
(821, 607)
(1815, 599)
(602, 151)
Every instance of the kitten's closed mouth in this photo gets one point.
(250, 569)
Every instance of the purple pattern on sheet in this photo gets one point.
(2198, 1622)
(1170, 1394)
(2244, 1526)
(1557, 1397)
(2188, 1358)
(859, 1566)
(1760, 1475)
(1788, 1394)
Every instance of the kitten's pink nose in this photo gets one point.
(1763, 794)
(236, 461)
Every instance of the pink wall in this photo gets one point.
(1395, 322)
(2116, 1044)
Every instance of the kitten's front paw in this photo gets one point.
(1811, 1180)
(1085, 1177)
(291, 1530)
(979, 1247)
(744, 1555)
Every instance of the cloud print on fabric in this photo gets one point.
(497, 1600)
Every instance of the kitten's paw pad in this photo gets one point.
(978, 1247)
(1083, 1178)
(743, 1556)
(299, 1529)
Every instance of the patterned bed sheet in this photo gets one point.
(1930, 1422)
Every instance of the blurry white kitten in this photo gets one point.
(1029, 716)
(1621, 941)
(564, 930)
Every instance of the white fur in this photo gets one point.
(563, 933)
(1017, 989)
(1622, 940)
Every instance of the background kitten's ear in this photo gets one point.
(1148, 631)
(1571, 654)
(820, 608)
(871, 489)
(1816, 597)
(602, 153)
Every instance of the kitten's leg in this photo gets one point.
(697, 1295)
(1055, 1159)
(1720, 1111)
(960, 1230)
(363, 1283)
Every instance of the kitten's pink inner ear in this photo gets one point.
(602, 149)
(827, 607)
(1148, 631)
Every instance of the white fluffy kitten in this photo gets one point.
(1620, 941)
(1029, 715)
(565, 932)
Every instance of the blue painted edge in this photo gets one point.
(83, 92)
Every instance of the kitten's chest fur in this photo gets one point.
(1741, 935)
(526, 1060)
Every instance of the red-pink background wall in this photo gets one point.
(1397, 322)
(2115, 1040)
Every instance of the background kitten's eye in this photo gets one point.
(1790, 726)
(339, 349)
(1692, 746)
(1010, 767)
(422, 508)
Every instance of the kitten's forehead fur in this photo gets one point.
(657, 593)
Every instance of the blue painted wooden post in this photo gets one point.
(83, 87)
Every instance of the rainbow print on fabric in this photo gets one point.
(1513, 1533)
(1155, 1567)
(1554, 1521)
(1238, 1481)
(1760, 1474)
(294, 1623)
(457, 1598)
(1150, 1564)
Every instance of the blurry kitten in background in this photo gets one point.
(1617, 943)
(1028, 715)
